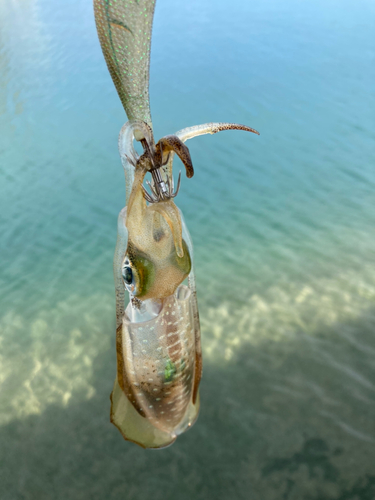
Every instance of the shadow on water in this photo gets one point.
(273, 425)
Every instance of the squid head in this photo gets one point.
(157, 258)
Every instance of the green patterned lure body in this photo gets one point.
(159, 361)
(124, 29)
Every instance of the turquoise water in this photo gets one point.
(283, 226)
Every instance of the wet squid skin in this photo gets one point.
(155, 397)
(159, 361)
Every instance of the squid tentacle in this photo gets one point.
(172, 143)
(206, 128)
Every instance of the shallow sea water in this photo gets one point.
(283, 226)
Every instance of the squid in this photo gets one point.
(158, 344)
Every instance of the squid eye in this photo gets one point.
(138, 274)
(127, 274)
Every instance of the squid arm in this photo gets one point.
(206, 128)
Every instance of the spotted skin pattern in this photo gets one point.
(158, 367)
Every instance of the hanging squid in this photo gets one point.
(159, 362)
